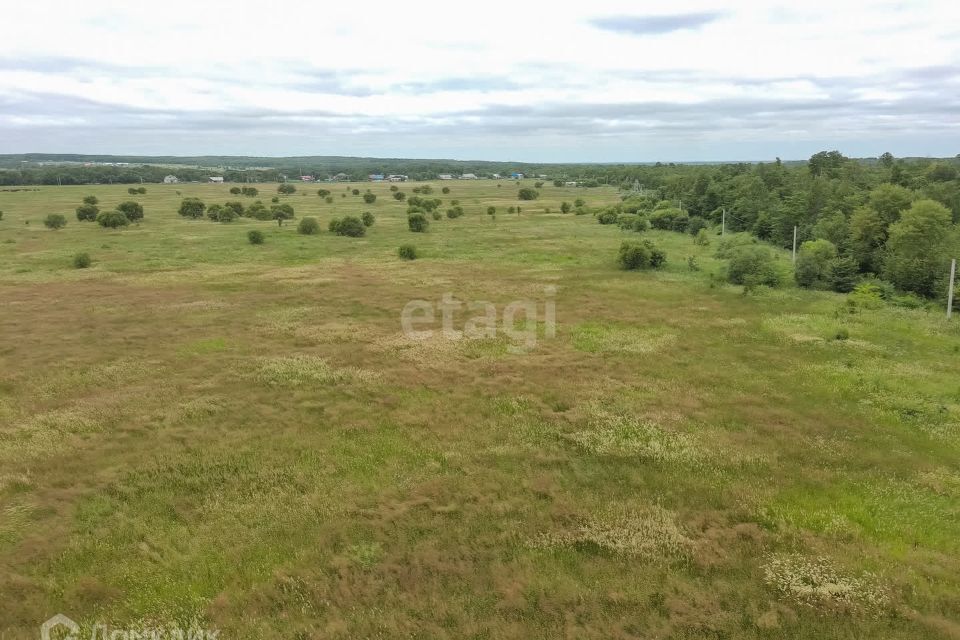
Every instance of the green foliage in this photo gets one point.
(258, 211)
(696, 224)
(417, 222)
(368, 219)
(281, 212)
(369, 198)
(213, 212)
(702, 238)
(842, 276)
(889, 201)
(308, 226)
(355, 192)
(350, 226)
(528, 193)
(579, 203)
(454, 212)
(192, 208)
(81, 260)
(436, 215)
(55, 221)
(328, 199)
(407, 252)
(286, 189)
(112, 219)
(491, 210)
(445, 190)
(235, 191)
(669, 219)
(91, 200)
(87, 212)
(133, 210)
(814, 260)
(751, 265)
(255, 236)
(399, 195)
(250, 192)
(919, 247)
(323, 193)
(607, 216)
(565, 207)
(640, 255)
(236, 207)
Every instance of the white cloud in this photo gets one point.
(591, 82)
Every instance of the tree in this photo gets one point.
(112, 219)
(842, 276)
(55, 221)
(565, 207)
(192, 208)
(417, 222)
(814, 260)
(87, 212)
(491, 211)
(527, 193)
(886, 160)
(825, 162)
(237, 207)
(868, 233)
(833, 227)
(445, 190)
(889, 200)
(918, 248)
(286, 189)
(133, 210)
(407, 252)
(369, 198)
(308, 226)
(281, 212)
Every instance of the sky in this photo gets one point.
(598, 81)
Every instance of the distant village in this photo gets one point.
(379, 177)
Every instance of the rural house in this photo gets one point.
(170, 180)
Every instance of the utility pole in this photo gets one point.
(794, 244)
(723, 221)
(953, 276)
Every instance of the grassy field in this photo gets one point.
(199, 430)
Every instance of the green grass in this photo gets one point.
(197, 429)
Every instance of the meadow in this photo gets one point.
(198, 430)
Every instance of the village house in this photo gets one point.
(445, 176)
(468, 176)
(216, 179)
(170, 180)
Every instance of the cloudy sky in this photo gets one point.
(606, 80)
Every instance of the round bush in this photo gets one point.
(286, 189)
(54, 221)
(351, 226)
(417, 222)
(640, 255)
(491, 211)
(308, 226)
(752, 265)
(436, 215)
(87, 212)
(255, 236)
(91, 200)
(81, 261)
(445, 190)
(527, 193)
(112, 219)
(133, 210)
(192, 208)
(407, 252)
(369, 198)
(368, 219)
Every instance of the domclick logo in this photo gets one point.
(519, 320)
(59, 627)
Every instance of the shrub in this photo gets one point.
(579, 202)
(308, 226)
(436, 215)
(841, 334)
(527, 193)
(355, 192)
(640, 255)
(92, 200)
(445, 190)
(399, 195)
(250, 192)
(323, 193)
(813, 263)
(236, 207)
(558, 183)
(752, 265)
(259, 212)
(369, 198)
(333, 225)
(511, 209)
(455, 212)
(407, 252)
(328, 199)
(236, 191)
(394, 187)
(213, 212)
(81, 260)
(54, 221)
(538, 185)
(417, 222)
(695, 224)
(132, 191)
(227, 215)
(842, 274)
(426, 189)
(281, 212)
(565, 207)
(275, 199)
(351, 226)
(368, 219)
(286, 189)
(192, 208)
(141, 190)
(87, 212)
(255, 236)
(112, 219)
(133, 210)
(702, 238)
(607, 216)
(669, 219)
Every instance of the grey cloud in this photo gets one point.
(654, 25)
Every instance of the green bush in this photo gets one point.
(491, 211)
(670, 219)
(436, 215)
(323, 193)
(607, 216)
(112, 219)
(695, 224)
(133, 210)
(87, 212)
(417, 222)
(236, 207)
(454, 212)
(842, 274)
(565, 207)
(368, 219)
(255, 236)
(92, 200)
(702, 238)
(328, 199)
(640, 255)
(752, 265)
(814, 258)
(308, 226)
(579, 202)
(407, 252)
(258, 211)
(192, 208)
(399, 195)
(286, 189)
(528, 193)
(213, 212)
(55, 221)
(355, 192)
(81, 260)
(236, 191)
(445, 190)
(250, 192)
(350, 226)
(369, 198)
(227, 215)
(281, 212)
